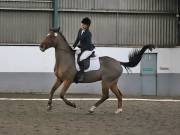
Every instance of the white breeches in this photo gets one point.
(85, 55)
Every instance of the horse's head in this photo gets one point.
(50, 40)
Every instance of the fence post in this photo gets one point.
(55, 18)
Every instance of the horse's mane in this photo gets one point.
(63, 37)
(60, 33)
(65, 40)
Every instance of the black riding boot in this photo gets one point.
(80, 75)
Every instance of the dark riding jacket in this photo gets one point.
(85, 40)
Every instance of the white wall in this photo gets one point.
(26, 59)
(168, 58)
(31, 59)
(163, 60)
(175, 60)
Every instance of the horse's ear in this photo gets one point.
(55, 29)
(58, 29)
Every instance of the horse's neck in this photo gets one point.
(64, 56)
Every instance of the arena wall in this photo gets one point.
(117, 27)
(27, 69)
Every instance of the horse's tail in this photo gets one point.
(135, 56)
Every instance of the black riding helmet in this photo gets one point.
(86, 21)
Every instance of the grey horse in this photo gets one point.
(65, 70)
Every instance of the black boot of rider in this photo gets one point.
(80, 76)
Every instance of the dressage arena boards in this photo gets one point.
(28, 116)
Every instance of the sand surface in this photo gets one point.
(137, 118)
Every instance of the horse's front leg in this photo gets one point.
(66, 85)
(54, 88)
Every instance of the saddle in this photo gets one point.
(90, 63)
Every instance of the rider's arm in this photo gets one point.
(77, 40)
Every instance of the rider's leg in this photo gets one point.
(81, 61)
(84, 55)
(80, 76)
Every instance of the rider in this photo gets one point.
(86, 46)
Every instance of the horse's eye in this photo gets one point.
(55, 34)
(48, 34)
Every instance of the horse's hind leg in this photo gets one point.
(105, 95)
(116, 91)
(66, 85)
(54, 88)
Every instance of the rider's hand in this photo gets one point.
(78, 50)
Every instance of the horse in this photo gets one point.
(65, 70)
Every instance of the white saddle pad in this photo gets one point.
(94, 64)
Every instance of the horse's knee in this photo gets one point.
(105, 97)
(61, 96)
(49, 102)
(121, 95)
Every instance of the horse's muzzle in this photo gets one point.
(42, 49)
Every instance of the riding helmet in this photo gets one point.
(86, 21)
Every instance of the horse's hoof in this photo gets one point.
(49, 108)
(92, 109)
(118, 110)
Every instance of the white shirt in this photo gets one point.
(82, 32)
